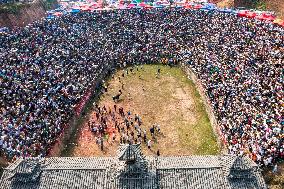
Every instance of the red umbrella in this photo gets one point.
(131, 6)
(142, 4)
(198, 6)
(188, 6)
(57, 13)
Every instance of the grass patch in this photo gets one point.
(204, 138)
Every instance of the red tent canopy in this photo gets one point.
(261, 17)
(242, 13)
(265, 16)
(250, 14)
(247, 14)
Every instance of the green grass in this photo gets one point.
(203, 129)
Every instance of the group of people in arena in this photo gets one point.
(47, 67)
(117, 125)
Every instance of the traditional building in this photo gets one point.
(131, 170)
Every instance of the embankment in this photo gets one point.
(22, 14)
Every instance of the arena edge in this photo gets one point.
(216, 130)
(65, 143)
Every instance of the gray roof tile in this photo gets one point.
(218, 172)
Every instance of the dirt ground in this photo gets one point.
(171, 100)
(271, 5)
(275, 180)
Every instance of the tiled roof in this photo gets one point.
(188, 162)
(65, 163)
(212, 172)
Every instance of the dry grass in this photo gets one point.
(226, 3)
(277, 6)
(171, 100)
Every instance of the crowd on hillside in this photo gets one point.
(47, 67)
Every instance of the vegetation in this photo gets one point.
(12, 8)
(256, 4)
(49, 4)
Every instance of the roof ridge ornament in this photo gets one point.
(129, 153)
(240, 168)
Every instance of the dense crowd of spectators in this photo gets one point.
(240, 63)
(47, 67)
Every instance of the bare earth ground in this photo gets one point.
(226, 3)
(275, 181)
(277, 6)
(170, 100)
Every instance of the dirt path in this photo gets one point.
(170, 100)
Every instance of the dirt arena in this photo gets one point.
(171, 100)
